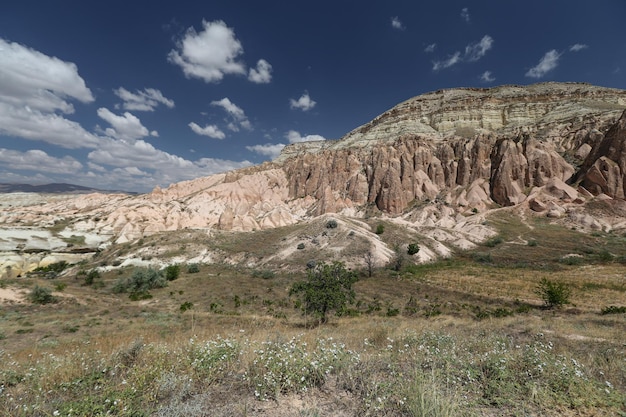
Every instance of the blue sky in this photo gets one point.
(134, 94)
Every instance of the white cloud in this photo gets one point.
(142, 165)
(211, 131)
(269, 149)
(236, 112)
(396, 23)
(34, 87)
(262, 74)
(38, 160)
(487, 77)
(475, 51)
(430, 48)
(30, 78)
(295, 137)
(577, 47)
(126, 127)
(304, 103)
(450, 61)
(465, 15)
(209, 54)
(146, 100)
(27, 123)
(547, 63)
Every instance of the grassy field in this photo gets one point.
(468, 335)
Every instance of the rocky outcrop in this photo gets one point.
(604, 169)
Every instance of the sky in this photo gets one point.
(130, 95)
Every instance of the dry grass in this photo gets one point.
(457, 337)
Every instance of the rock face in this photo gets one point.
(463, 149)
(604, 169)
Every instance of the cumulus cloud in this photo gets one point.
(269, 149)
(213, 53)
(547, 63)
(262, 74)
(272, 150)
(211, 131)
(304, 103)
(38, 160)
(125, 127)
(34, 89)
(146, 100)
(430, 48)
(209, 54)
(577, 47)
(142, 165)
(487, 77)
(473, 52)
(396, 23)
(295, 137)
(52, 128)
(236, 113)
(465, 15)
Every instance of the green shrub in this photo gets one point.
(41, 295)
(554, 294)
(613, 310)
(300, 246)
(482, 257)
(142, 280)
(91, 276)
(380, 229)
(532, 243)
(172, 272)
(193, 268)
(413, 248)
(493, 242)
(60, 286)
(331, 224)
(187, 305)
(263, 274)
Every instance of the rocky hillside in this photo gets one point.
(436, 162)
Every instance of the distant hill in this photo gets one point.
(55, 188)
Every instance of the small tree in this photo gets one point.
(554, 294)
(328, 287)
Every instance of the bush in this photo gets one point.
(263, 274)
(193, 268)
(300, 246)
(172, 272)
(482, 257)
(140, 282)
(41, 295)
(413, 248)
(554, 294)
(187, 305)
(331, 224)
(380, 229)
(613, 310)
(493, 242)
(91, 276)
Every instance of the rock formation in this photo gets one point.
(429, 159)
